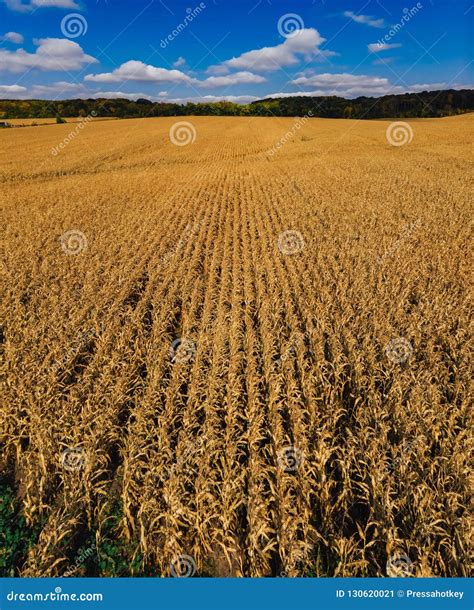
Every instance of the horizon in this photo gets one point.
(72, 99)
(206, 52)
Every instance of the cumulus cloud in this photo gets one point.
(26, 7)
(162, 97)
(55, 54)
(236, 99)
(376, 47)
(245, 99)
(179, 62)
(217, 70)
(348, 84)
(237, 78)
(58, 91)
(434, 87)
(351, 86)
(11, 91)
(14, 37)
(305, 43)
(64, 90)
(58, 88)
(365, 19)
(138, 71)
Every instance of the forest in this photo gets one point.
(409, 105)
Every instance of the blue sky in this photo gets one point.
(239, 50)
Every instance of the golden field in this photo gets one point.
(246, 355)
(50, 121)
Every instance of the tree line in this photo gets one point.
(408, 105)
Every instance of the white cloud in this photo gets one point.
(64, 90)
(349, 93)
(14, 37)
(305, 43)
(138, 71)
(245, 99)
(232, 79)
(161, 97)
(11, 91)
(376, 47)
(55, 54)
(365, 19)
(179, 62)
(237, 99)
(351, 86)
(348, 84)
(435, 87)
(26, 7)
(217, 70)
(57, 89)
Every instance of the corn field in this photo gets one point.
(237, 347)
